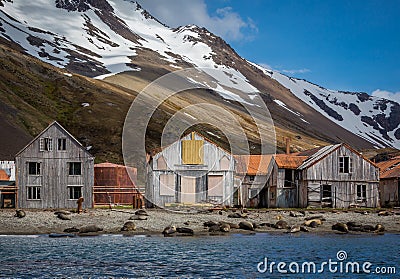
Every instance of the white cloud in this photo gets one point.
(299, 71)
(226, 23)
(394, 96)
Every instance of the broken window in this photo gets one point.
(345, 164)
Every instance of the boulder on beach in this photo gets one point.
(65, 212)
(281, 224)
(90, 229)
(63, 216)
(246, 226)
(340, 227)
(20, 213)
(128, 226)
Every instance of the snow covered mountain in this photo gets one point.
(106, 39)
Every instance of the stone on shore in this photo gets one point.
(71, 230)
(141, 212)
(138, 217)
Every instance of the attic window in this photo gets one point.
(345, 164)
(62, 144)
(46, 144)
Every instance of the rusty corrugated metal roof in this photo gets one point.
(253, 164)
(288, 161)
(4, 175)
(390, 168)
(108, 165)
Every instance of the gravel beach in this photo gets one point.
(112, 220)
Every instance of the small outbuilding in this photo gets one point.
(389, 185)
(54, 170)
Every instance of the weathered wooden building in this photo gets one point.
(193, 170)
(338, 176)
(114, 185)
(389, 185)
(255, 173)
(54, 170)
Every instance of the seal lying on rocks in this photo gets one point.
(20, 213)
(313, 223)
(187, 231)
(281, 225)
(71, 230)
(138, 217)
(63, 216)
(294, 229)
(168, 231)
(210, 223)
(340, 227)
(224, 227)
(141, 212)
(246, 226)
(90, 229)
(128, 226)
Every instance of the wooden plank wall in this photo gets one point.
(54, 178)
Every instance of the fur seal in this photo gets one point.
(315, 222)
(281, 225)
(224, 227)
(294, 229)
(168, 231)
(20, 213)
(246, 226)
(128, 226)
(187, 231)
(340, 227)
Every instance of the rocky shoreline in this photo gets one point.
(205, 222)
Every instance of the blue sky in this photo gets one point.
(345, 45)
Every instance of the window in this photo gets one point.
(45, 144)
(361, 193)
(251, 178)
(62, 144)
(34, 168)
(326, 193)
(33, 192)
(288, 178)
(75, 168)
(75, 192)
(345, 164)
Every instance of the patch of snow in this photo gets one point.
(85, 105)
(282, 104)
(68, 74)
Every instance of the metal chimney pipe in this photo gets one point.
(287, 146)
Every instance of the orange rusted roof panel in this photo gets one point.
(390, 168)
(289, 161)
(4, 175)
(253, 164)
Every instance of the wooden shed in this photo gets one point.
(389, 185)
(54, 170)
(8, 190)
(194, 171)
(255, 173)
(114, 185)
(338, 176)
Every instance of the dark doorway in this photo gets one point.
(326, 195)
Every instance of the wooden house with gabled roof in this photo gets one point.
(192, 170)
(54, 170)
(340, 177)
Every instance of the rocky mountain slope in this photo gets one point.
(122, 44)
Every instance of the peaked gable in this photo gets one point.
(58, 126)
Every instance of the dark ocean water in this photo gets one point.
(233, 256)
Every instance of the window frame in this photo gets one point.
(45, 144)
(71, 166)
(38, 168)
(71, 189)
(361, 192)
(345, 167)
(33, 193)
(62, 142)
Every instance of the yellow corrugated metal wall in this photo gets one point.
(192, 151)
